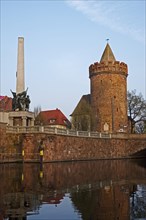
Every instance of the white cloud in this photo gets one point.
(109, 14)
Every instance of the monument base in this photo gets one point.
(21, 118)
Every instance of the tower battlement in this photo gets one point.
(109, 67)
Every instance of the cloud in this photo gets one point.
(110, 15)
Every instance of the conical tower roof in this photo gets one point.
(107, 54)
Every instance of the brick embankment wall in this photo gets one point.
(67, 148)
(9, 143)
(63, 148)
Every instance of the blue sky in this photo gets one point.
(62, 39)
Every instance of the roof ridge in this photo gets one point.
(51, 110)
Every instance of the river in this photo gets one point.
(86, 190)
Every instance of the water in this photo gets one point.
(91, 190)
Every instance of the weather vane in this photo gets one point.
(107, 40)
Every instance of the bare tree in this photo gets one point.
(145, 126)
(136, 109)
(37, 110)
(140, 127)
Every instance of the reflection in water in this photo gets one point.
(95, 190)
(138, 202)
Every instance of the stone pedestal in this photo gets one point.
(21, 118)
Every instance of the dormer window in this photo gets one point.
(52, 121)
(65, 122)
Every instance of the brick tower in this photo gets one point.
(108, 83)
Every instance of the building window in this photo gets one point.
(65, 122)
(52, 121)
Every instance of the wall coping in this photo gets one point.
(67, 132)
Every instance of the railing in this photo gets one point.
(54, 130)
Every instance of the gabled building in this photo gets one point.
(5, 103)
(82, 116)
(53, 118)
(5, 108)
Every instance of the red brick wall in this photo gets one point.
(64, 148)
(9, 143)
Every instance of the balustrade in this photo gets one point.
(55, 130)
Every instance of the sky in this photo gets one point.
(62, 39)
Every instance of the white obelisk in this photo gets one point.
(20, 80)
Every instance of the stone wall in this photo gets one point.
(10, 144)
(69, 148)
(65, 148)
(4, 117)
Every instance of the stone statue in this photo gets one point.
(13, 100)
(27, 102)
(20, 101)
